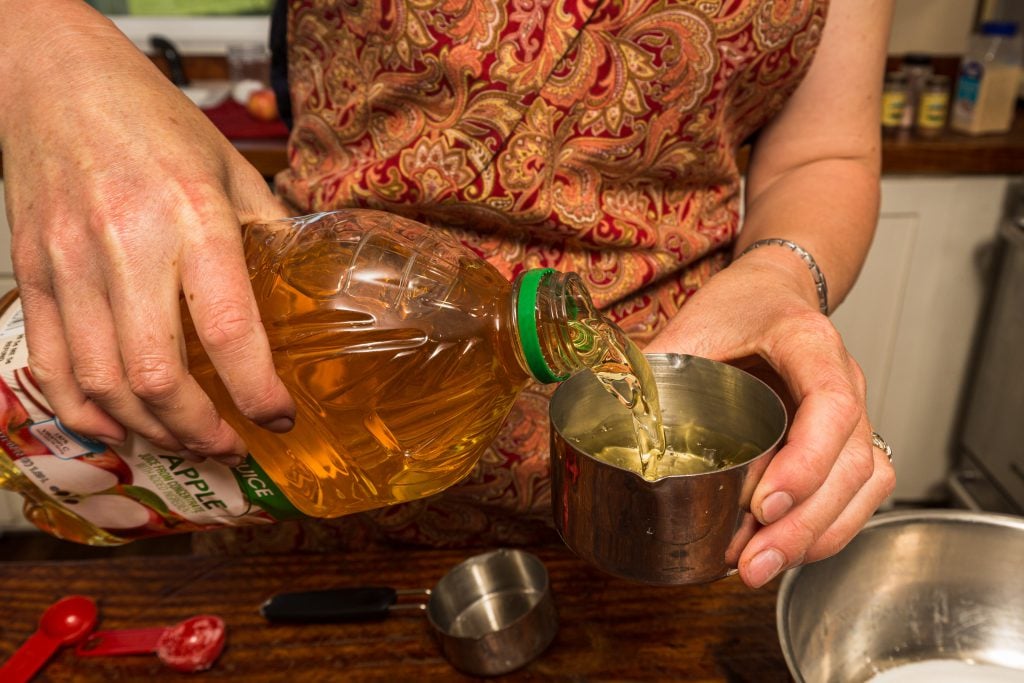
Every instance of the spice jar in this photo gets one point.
(933, 106)
(894, 100)
(918, 68)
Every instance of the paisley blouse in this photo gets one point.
(596, 136)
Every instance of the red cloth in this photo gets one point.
(236, 123)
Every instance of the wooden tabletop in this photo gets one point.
(610, 629)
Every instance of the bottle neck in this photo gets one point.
(554, 321)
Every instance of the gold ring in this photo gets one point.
(878, 442)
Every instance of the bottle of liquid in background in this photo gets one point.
(989, 80)
(403, 350)
(918, 69)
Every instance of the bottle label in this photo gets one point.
(932, 110)
(132, 491)
(893, 104)
(968, 87)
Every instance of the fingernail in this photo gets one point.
(190, 456)
(775, 506)
(765, 566)
(279, 425)
(230, 460)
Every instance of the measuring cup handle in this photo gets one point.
(365, 603)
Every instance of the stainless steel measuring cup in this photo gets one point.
(683, 528)
(491, 614)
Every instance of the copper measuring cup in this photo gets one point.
(491, 613)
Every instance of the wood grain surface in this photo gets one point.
(609, 629)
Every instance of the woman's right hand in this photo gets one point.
(122, 198)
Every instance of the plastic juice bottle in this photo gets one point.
(989, 81)
(403, 351)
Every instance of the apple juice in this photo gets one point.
(403, 350)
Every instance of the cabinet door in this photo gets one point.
(910, 319)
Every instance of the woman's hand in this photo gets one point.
(122, 198)
(813, 179)
(827, 479)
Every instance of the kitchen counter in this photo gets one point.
(955, 153)
(609, 629)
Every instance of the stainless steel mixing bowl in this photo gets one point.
(914, 585)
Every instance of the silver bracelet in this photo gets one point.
(819, 277)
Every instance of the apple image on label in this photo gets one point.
(70, 476)
(114, 512)
(111, 462)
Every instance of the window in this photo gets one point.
(168, 8)
(196, 27)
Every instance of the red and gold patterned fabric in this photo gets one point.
(596, 136)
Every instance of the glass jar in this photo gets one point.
(894, 101)
(933, 107)
(918, 68)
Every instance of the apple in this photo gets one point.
(11, 410)
(262, 105)
(27, 442)
(113, 512)
(15, 421)
(111, 462)
(70, 476)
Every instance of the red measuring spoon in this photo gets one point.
(65, 622)
(190, 645)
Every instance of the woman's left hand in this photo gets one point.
(827, 479)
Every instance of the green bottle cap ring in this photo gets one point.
(526, 319)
